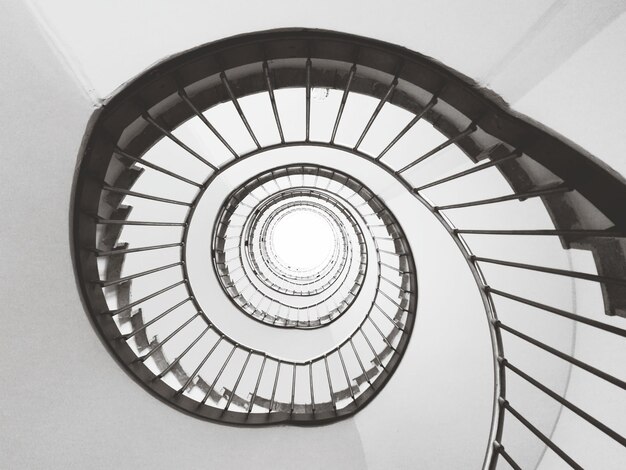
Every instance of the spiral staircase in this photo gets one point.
(289, 99)
(467, 247)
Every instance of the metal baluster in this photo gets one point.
(206, 122)
(293, 387)
(170, 336)
(552, 189)
(127, 192)
(377, 111)
(202, 362)
(590, 419)
(143, 299)
(219, 374)
(158, 168)
(232, 394)
(124, 251)
(155, 319)
(258, 381)
(229, 90)
(330, 383)
(345, 372)
(592, 370)
(308, 100)
(104, 221)
(559, 272)
(358, 358)
(270, 90)
(408, 127)
(179, 142)
(541, 436)
(181, 355)
(500, 450)
(470, 129)
(274, 388)
(311, 386)
(557, 311)
(515, 154)
(108, 283)
(344, 98)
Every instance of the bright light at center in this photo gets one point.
(303, 239)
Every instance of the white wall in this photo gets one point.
(61, 58)
(60, 388)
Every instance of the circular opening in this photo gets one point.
(321, 264)
(302, 240)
